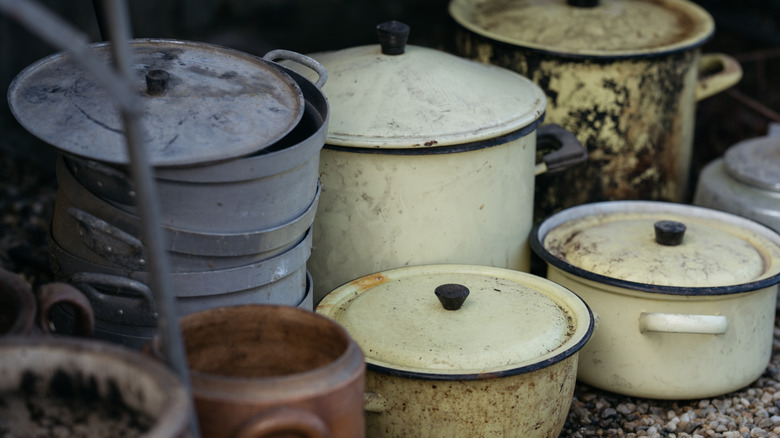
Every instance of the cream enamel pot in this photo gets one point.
(688, 317)
(430, 158)
(623, 75)
(463, 350)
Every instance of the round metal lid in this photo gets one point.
(592, 28)
(754, 162)
(509, 323)
(644, 244)
(217, 104)
(414, 97)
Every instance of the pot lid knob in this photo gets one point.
(156, 81)
(392, 37)
(669, 233)
(583, 3)
(451, 296)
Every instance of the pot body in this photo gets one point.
(108, 386)
(635, 116)
(719, 190)
(533, 404)
(263, 370)
(667, 346)
(380, 210)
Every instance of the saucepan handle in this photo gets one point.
(108, 241)
(683, 323)
(56, 293)
(284, 419)
(569, 152)
(717, 73)
(318, 68)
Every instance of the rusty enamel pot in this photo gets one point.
(685, 295)
(262, 371)
(463, 350)
(76, 387)
(623, 75)
(430, 158)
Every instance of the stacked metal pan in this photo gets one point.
(234, 141)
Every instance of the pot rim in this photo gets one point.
(459, 14)
(338, 299)
(540, 231)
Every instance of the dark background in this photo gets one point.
(748, 30)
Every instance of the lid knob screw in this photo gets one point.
(669, 233)
(392, 37)
(451, 296)
(156, 81)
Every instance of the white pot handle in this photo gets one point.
(682, 323)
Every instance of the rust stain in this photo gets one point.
(369, 281)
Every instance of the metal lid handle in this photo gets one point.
(451, 296)
(392, 37)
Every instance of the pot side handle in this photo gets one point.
(683, 323)
(307, 61)
(717, 72)
(374, 402)
(51, 294)
(569, 152)
(284, 419)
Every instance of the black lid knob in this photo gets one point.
(452, 296)
(669, 233)
(156, 81)
(392, 37)
(583, 3)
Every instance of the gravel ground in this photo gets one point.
(27, 197)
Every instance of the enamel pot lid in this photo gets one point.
(660, 247)
(754, 162)
(201, 103)
(459, 322)
(394, 95)
(589, 28)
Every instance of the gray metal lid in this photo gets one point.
(754, 162)
(218, 104)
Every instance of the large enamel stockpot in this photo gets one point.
(745, 181)
(78, 387)
(501, 363)
(685, 295)
(270, 371)
(623, 75)
(430, 158)
(212, 132)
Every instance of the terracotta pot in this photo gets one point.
(66, 385)
(24, 313)
(261, 370)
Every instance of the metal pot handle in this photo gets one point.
(108, 241)
(374, 402)
(717, 72)
(300, 59)
(569, 151)
(56, 293)
(284, 419)
(683, 323)
(85, 281)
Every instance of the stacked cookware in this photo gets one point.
(234, 141)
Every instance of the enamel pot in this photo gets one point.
(272, 371)
(623, 75)
(745, 181)
(684, 295)
(463, 350)
(430, 158)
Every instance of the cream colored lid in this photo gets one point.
(422, 98)
(509, 320)
(612, 28)
(618, 240)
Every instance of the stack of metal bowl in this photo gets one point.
(234, 141)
